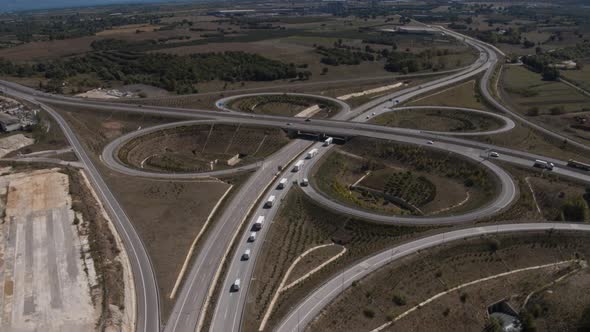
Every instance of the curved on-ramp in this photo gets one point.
(110, 155)
(223, 103)
(312, 305)
(508, 191)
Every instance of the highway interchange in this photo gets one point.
(199, 286)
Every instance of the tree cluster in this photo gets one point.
(171, 72)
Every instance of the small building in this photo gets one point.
(9, 123)
(567, 64)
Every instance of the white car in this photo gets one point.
(235, 286)
(494, 154)
(429, 142)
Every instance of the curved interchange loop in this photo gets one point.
(509, 124)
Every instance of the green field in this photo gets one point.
(579, 77)
(526, 90)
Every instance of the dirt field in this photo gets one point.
(48, 275)
(202, 147)
(401, 285)
(387, 181)
(438, 120)
(301, 225)
(12, 143)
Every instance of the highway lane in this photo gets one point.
(229, 308)
(188, 312)
(313, 304)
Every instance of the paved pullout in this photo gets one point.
(313, 304)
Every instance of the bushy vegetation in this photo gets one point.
(342, 56)
(406, 62)
(415, 190)
(171, 72)
(575, 209)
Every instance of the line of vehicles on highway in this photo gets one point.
(270, 202)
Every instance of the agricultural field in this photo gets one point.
(286, 105)
(181, 37)
(199, 148)
(549, 103)
(438, 120)
(580, 77)
(299, 226)
(402, 179)
(394, 289)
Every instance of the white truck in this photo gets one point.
(328, 141)
(543, 164)
(304, 182)
(246, 255)
(258, 224)
(270, 201)
(298, 165)
(252, 237)
(282, 183)
(312, 153)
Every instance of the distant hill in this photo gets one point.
(19, 5)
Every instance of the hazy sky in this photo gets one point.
(12, 5)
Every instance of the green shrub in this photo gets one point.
(399, 299)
